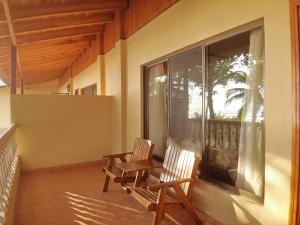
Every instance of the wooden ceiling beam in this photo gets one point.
(41, 66)
(47, 10)
(5, 42)
(55, 42)
(11, 28)
(5, 51)
(46, 24)
(38, 59)
(41, 74)
(4, 31)
(52, 64)
(56, 34)
(54, 54)
(58, 48)
(34, 71)
(47, 52)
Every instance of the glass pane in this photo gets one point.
(234, 124)
(156, 124)
(186, 100)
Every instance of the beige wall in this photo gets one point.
(60, 130)
(190, 21)
(63, 88)
(45, 88)
(4, 107)
(89, 76)
(113, 87)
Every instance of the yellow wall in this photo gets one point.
(190, 21)
(4, 107)
(60, 130)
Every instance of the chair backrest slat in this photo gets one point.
(179, 164)
(142, 150)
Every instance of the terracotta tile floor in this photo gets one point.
(74, 196)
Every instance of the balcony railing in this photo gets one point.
(222, 144)
(8, 168)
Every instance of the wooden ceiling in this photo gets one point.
(50, 34)
(55, 36)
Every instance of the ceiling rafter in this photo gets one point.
(48, 10)
(63, 22)
(60, 33)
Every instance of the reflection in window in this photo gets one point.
(186, 100)
(156, 126)
(234, 123)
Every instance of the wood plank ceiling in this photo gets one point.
(50, 34)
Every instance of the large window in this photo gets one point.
(211, 100)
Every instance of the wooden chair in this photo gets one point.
(175, 188)
(142, 150)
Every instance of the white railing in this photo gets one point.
(8, 168)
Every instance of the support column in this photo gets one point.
(123, 55)
(13, 69)
(102, 75)
(102, 64)
(71, 80)
(22, 86)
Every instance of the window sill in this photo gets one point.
(231, 190)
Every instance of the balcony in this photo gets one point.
(78, 79)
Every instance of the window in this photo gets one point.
(89, 90)
(211, 100)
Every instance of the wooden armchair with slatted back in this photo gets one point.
(142, 150)
(175, 187)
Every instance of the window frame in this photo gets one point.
(259, 23)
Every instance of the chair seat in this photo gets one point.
(149, 198)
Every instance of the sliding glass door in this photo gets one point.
(210, 100)
(186, 89)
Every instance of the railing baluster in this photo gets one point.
(8, 166)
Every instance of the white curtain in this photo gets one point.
(158, 108)
(251, 150)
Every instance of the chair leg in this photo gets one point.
(187, 204)
(106, 183)
(160, 210)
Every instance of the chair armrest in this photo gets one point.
(169, 184)
(117, 155)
